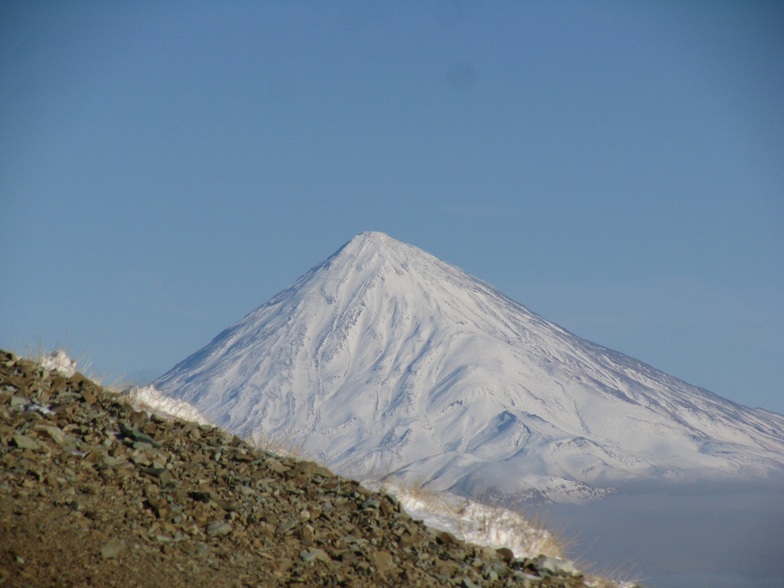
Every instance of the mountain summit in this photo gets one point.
(383, 361)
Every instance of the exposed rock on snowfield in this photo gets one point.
(94, 493)
(384, 361)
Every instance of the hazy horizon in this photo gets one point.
(712, 533)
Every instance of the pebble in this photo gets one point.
(112, 549)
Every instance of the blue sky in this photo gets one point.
(617, 167)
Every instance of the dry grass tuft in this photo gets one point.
(281, 448)
(62, 356)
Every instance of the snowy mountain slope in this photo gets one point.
(384, 360)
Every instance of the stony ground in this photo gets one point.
(94, 493)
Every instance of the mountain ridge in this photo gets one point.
(383, 360)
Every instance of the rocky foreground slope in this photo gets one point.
(94, 493)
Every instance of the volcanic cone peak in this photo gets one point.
(385, 361)
(401, 270)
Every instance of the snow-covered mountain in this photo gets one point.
(383, 361)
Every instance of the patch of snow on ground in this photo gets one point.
(58, 361)
(477, 523)
(149, 399)
(487, 526)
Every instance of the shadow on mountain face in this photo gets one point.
(723, 536)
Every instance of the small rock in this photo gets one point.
(315, 554)
(276, 466)
(200, 496)
(370, 502)
(383, 561)
(112, 549)
(445, 538)
(56, 434)
(138, 435)
(323, 472)
(161, 473)
(89, 397)
(286, 527)
(307, 534)
(505, 554)
(555, 566)
(218, 529)
(24, 442)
